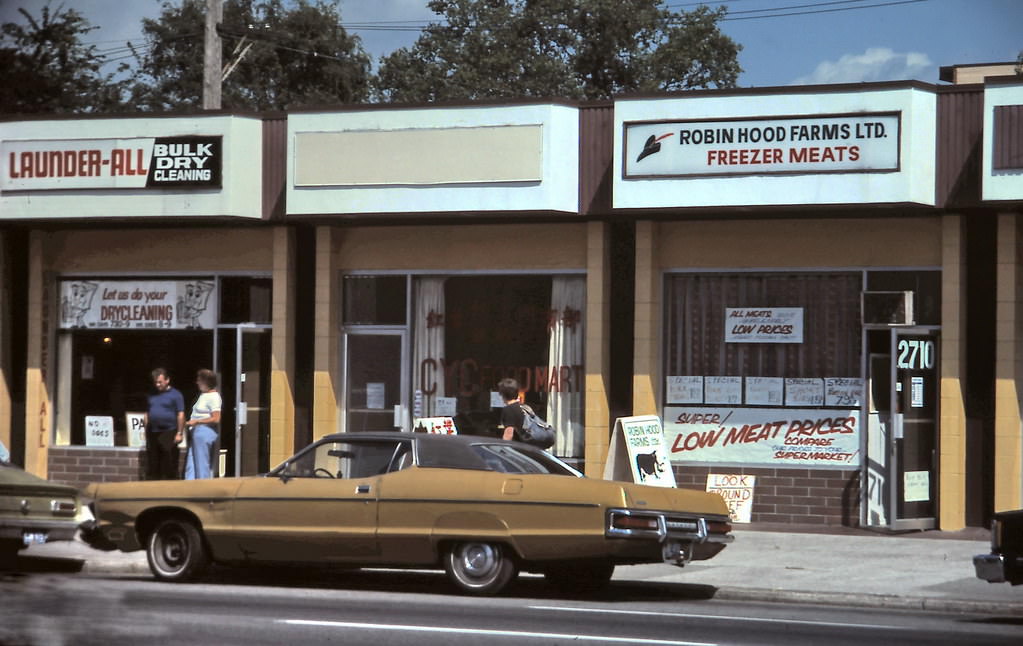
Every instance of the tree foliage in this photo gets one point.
(579, 49)
(291, 54)
(47, 68)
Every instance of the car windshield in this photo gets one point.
(509, 458)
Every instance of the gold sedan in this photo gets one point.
(481, 508)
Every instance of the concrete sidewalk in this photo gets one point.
(921, 570)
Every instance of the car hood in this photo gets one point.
(15, 480)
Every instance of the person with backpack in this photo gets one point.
(518, 420)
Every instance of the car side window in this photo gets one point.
(348, 459)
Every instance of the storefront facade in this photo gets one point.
(817, 290)
(450, 254)
(146, 245)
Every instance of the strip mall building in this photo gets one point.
(818, 288)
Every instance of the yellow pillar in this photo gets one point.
(326, 360)
(598, 304)
(646, 367)
(40, 315)
(1008, 365)
(5, 347)
(952, 429)
(282, 364)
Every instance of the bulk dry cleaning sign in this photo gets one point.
(153, 162)
(142, 304)
(818, 144)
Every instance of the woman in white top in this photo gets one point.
(203, 426)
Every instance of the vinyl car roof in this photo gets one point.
(435, 450)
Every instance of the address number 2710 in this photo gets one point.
(916, 354)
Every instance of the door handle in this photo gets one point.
(363, 488)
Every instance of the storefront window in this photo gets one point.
(114, 331)
(465, 334)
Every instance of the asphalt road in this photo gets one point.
(252, 608)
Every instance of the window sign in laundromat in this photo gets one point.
(138, 304)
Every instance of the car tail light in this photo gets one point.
(622, 521)
(718, 527)
(63, 507)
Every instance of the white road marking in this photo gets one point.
(768, 620)
(488, 633)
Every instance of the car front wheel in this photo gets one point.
(177, 551)
(479, 568)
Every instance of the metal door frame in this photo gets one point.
(240, 412)
(405, 376)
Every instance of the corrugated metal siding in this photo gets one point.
(1008, 137)
(275, 165)
(596, 153)
(960, 139)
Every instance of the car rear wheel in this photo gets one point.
(586, 576)
(479, 568)
(177, 551)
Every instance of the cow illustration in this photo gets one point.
(647, 464)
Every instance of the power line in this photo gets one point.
(805, 13)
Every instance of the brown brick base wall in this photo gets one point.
(794, 496)
(80, 466)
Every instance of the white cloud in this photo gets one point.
(875, 64)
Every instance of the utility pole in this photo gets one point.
(212, 74)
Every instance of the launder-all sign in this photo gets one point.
(145, 162)
(866, 142)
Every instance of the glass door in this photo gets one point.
(375, 384)
(243, 355)
(900, 472)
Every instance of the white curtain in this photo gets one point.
(428, 344)
(565, 409)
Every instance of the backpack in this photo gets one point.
(534, 430)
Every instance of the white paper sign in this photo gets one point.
(843, 391)
(684, 389)
(722, 390)
(99, 430)
(763, 325)
(435, 425)
(804, 392)
(916, 486)
(136, 425)
(737, 491)
(446, 406)
(769, 437)
(765, 391)
(496, 401)
(375, 392)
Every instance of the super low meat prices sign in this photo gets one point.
(770, 437)
(153, 162)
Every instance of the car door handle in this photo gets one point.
(363, 488)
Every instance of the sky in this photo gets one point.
(785, 42)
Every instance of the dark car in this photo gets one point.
(34, 510)
(1005, 562)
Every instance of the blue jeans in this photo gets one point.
(200, 452)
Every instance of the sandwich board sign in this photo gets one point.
(638, 452)
(435, 425)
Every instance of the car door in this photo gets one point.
(321, 506)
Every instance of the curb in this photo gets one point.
(892, 602)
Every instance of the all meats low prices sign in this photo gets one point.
(153, 162)
(130, 304)
(770, 437)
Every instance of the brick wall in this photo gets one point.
(794, 496)
(80, 466)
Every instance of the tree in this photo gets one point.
(579, 49)
(47, 68)
(286, 56)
